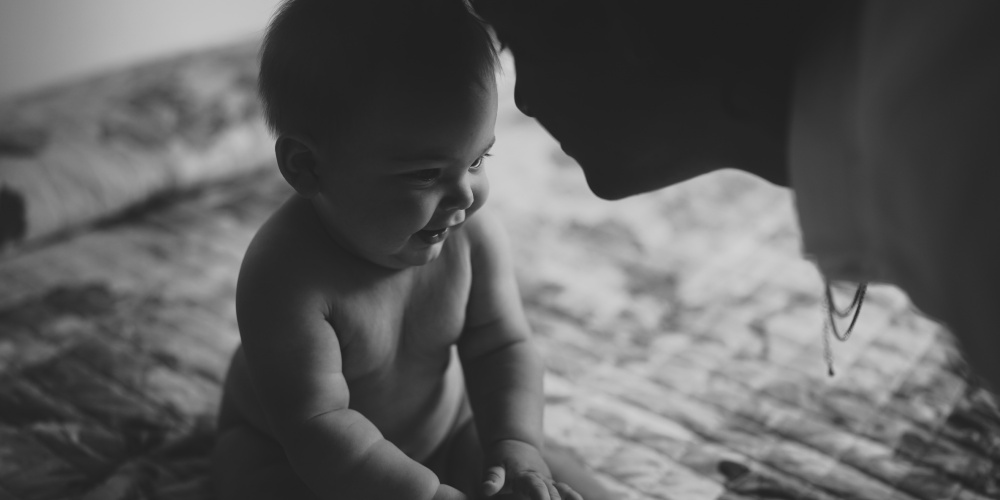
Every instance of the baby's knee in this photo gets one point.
(567, 468)
(248, 444)
(246, 464)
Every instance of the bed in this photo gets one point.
(681, 329)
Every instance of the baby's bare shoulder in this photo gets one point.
(485, 227)
(293, 265)
(487, 236)
(287, 249)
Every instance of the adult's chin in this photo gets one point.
(610, 190)
(613, 177)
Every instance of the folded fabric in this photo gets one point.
(80, 152)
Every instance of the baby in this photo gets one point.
(385, 353)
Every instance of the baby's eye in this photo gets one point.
(479, 162)
(425, 175)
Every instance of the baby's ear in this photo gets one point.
(298, 162)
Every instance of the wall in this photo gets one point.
(43, 42)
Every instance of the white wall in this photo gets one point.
(48, 41)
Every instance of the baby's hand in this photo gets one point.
(518, 467)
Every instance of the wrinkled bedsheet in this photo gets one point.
(681, 331)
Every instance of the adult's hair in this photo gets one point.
(321, 60)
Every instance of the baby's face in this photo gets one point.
(409, 173)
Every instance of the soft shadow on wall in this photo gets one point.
(46, 42)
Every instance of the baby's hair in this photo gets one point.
(322, 59)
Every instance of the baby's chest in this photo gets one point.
(404, 330)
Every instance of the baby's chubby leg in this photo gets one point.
(248, 465)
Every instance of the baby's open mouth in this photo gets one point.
(433, 235)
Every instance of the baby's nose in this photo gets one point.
(460, 196)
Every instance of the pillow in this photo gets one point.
(77, 153)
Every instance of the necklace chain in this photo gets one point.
(830, 325)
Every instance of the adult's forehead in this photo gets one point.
(574, 22)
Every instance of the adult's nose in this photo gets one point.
(520, 95)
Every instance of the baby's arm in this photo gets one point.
(503, 370)
(295, 362)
